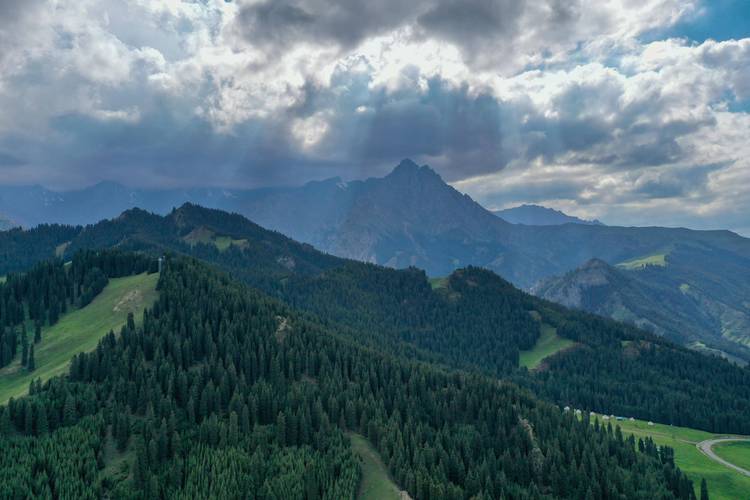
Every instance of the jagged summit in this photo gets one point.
(408, 169)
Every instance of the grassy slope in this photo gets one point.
(79, 331)
(207, 236)
(436, 283)
(650, 260)
(376, 484)
(738, 453)
(224, 242)
(723, 483)
(548, 344)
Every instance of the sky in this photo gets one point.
(635, 112)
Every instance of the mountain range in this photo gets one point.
(678, 300)
(411, 217)
(536, 215)
(265, 365)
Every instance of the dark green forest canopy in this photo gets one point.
(225, 392)
(477, 321)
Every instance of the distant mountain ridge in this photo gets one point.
(411, 217)
(660, 300)
(536, 215)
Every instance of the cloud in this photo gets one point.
(542, 101)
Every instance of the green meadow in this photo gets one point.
(80, 330)
(548, 344)
(737, 452)
(723, 483)
(224, 242)
(650, 260)
(436, 283)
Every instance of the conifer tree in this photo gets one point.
(31, 365)
(24, 347)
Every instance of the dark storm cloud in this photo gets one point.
(471, 21)
(460, 133)
(167, 149)
(278, 25)
(485, 30)
(446, 126)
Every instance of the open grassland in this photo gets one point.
(723, 483)
(548, 344)
(650, 260)
(436, 283)
(375, 484)
(208, 237)
(737, 452)
(224, 242)
(80, 330)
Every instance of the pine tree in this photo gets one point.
(24, 347)
(704, 489)
(69, 411)
(37, 332)
(6, 426)
(31, 366)
(281, 429)
(42, 424)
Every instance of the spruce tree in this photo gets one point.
(37, 332)
(31, 366)
(704, 489)
(24, 347)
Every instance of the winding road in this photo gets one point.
(706, 448)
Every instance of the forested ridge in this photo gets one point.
(20, 249)
(224, 392)
(477, 321)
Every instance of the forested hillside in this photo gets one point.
(20, 249)
(476, 320)
(224, 392)
(661, 296)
